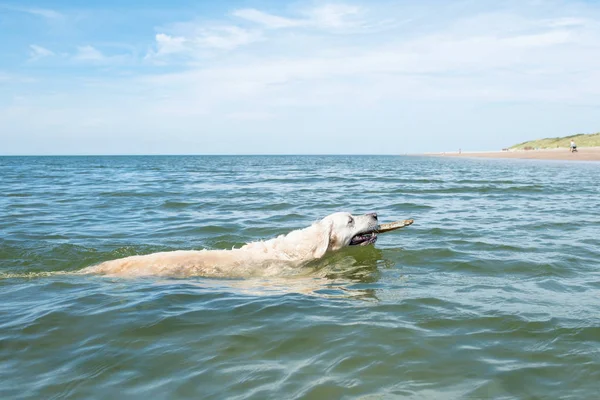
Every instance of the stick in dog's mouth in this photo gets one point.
(370, 237)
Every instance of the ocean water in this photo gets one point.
(494, 292)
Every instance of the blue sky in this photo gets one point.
(271, 77)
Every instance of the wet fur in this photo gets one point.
(286, 251)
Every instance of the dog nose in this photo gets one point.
(373, 215)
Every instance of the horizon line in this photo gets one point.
(209, 155)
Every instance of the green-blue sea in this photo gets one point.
(494, 292)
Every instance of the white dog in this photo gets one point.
(294, 249)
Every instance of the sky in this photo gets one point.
(300, 77)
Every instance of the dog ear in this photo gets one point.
(324, 238)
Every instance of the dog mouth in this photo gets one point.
(364, 238)
(370, 236)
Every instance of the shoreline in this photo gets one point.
(583, 154)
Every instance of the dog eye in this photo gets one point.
(350, 221)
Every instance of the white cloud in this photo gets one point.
(541, 39)
(566, 22)
(226, 37)
(300, 75)
(40, 12)
(194, 38)
(166, 44)
(198, 41)
(37, 52)
(268, 20)
(334, 16)
(329, 16)
(446, 64)
(89, 53)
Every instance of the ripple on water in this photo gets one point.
(492, 293)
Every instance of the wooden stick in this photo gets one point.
(392, 226)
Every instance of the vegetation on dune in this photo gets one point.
(581, 140)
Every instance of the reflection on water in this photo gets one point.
(337, 275)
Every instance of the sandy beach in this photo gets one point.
(583, 154)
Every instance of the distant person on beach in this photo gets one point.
(573, 146)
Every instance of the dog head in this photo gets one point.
(343, 229)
